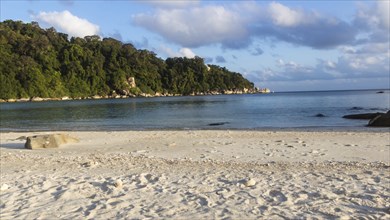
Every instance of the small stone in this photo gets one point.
(4, 187)
(118, 183)
(250, 182)
(172, 145)
(90, 164)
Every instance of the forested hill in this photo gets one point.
(38, 62)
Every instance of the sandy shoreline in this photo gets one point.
(198, 174)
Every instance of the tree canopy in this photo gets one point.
(38, 62)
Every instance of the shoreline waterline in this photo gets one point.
(287, 129)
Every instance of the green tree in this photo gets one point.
(45, 63)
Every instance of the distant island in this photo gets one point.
(42, 64)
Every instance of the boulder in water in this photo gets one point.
(218, 123)
(382, 120)
(363, 116)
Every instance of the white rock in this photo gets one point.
(4, 187)
(118, 183)
(250, 182)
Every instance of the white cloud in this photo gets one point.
(348, 49)
(330, 65)
(290, 70)
(383, 8)
(367, 49)
(374, 18)
(196, 26)
(168, 51)
(284, 16)
(331, 84)
(362, 43)
(68, 23)
(173, 4)
(303, 28)
(263, 75)
(186, 52)
(367, 65)
(359, 64)
(237, 24)
(183, 52)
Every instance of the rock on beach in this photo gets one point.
(48, 141)
(250, 182)
(4, 187)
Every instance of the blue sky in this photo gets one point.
(281, 45)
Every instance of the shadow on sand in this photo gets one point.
(12, 145)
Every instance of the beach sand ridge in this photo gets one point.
(198, 175)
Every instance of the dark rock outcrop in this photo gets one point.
(319, 115)
(218, 123)
(366, 116)
(356, 108)
(382, 120)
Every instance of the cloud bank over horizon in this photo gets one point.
(235, 26)
(362, 42)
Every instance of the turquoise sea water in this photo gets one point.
(252, 111)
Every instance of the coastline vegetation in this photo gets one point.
(44, 63)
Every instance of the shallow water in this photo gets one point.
(253, 111)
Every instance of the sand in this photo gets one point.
(198, 175)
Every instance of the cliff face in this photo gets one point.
(44, 63)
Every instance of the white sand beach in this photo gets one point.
(201, 174)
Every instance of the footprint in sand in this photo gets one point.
(301, 198)
(377, 179)
(278, 196)
(318, 152)
(144, 179)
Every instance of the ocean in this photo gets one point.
(288, 110)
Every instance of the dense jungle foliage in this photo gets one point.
(38, 62)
